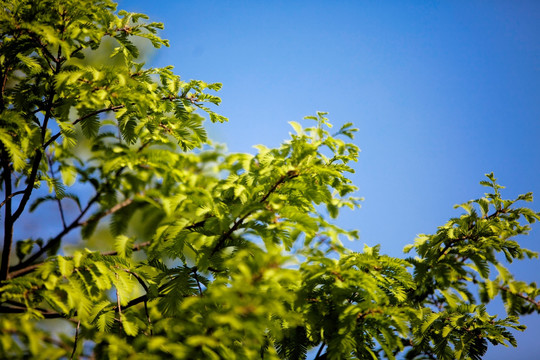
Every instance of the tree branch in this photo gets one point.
(28, 190)
(134, 302)
(8, 220)
(3, 89)
(75, 122)
(139, 279)
(119, 308)
(76, 339)
(76, 223)
(318, 356)
(43, 47)
(58, 201)
(112, 210)
(148, 317)
(520, 295)
(39, 152)
(20, 192)
(194, 270)
(239, 222)
(20, 308)
(57, 238)
(30, 268)
(135, 247)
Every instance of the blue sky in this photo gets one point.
(442, 92)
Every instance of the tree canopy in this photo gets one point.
(186, 251)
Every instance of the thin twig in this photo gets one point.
(133, 302)
(76, 223)
(320, 351)
(53, 242)
(58, 201)
(39, 152)
(30, 268)
(75, 122)
(119, 308)
(239, 222)
(18, 310)
(20, 192)
(4, 82)
(31, 180)
(135, 247)
(194, 270)
(148, 318)
(76, 339)
(114, 209)
(139, 279)
(524, 297)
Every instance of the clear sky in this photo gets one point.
(442, 92)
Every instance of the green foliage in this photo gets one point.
(190, 252)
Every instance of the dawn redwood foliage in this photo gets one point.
(189, 252)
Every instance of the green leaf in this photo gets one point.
(297, 127)
(69, 175)
(15, 153)
(124, 246)
(23, 248)
(129, 324)
(105, 321)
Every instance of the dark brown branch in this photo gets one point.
(11, 196)
(225, 236)
(31, 180)
(112, 210)
(76, 339)
(76, 223)
(3, 90)
(53, 242)
(8, 219)
(239, 222)
(318, 356)
(520, 295)
(133, 302)
(43, 47)
(16, 308)
(39, 152)
(194, 270)
(452, 242)
(76, 51)
(23, 271)
(30, 268)
(75, 122)
(139, 279)
(148, 317)
(135, 247)
(145, 287)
